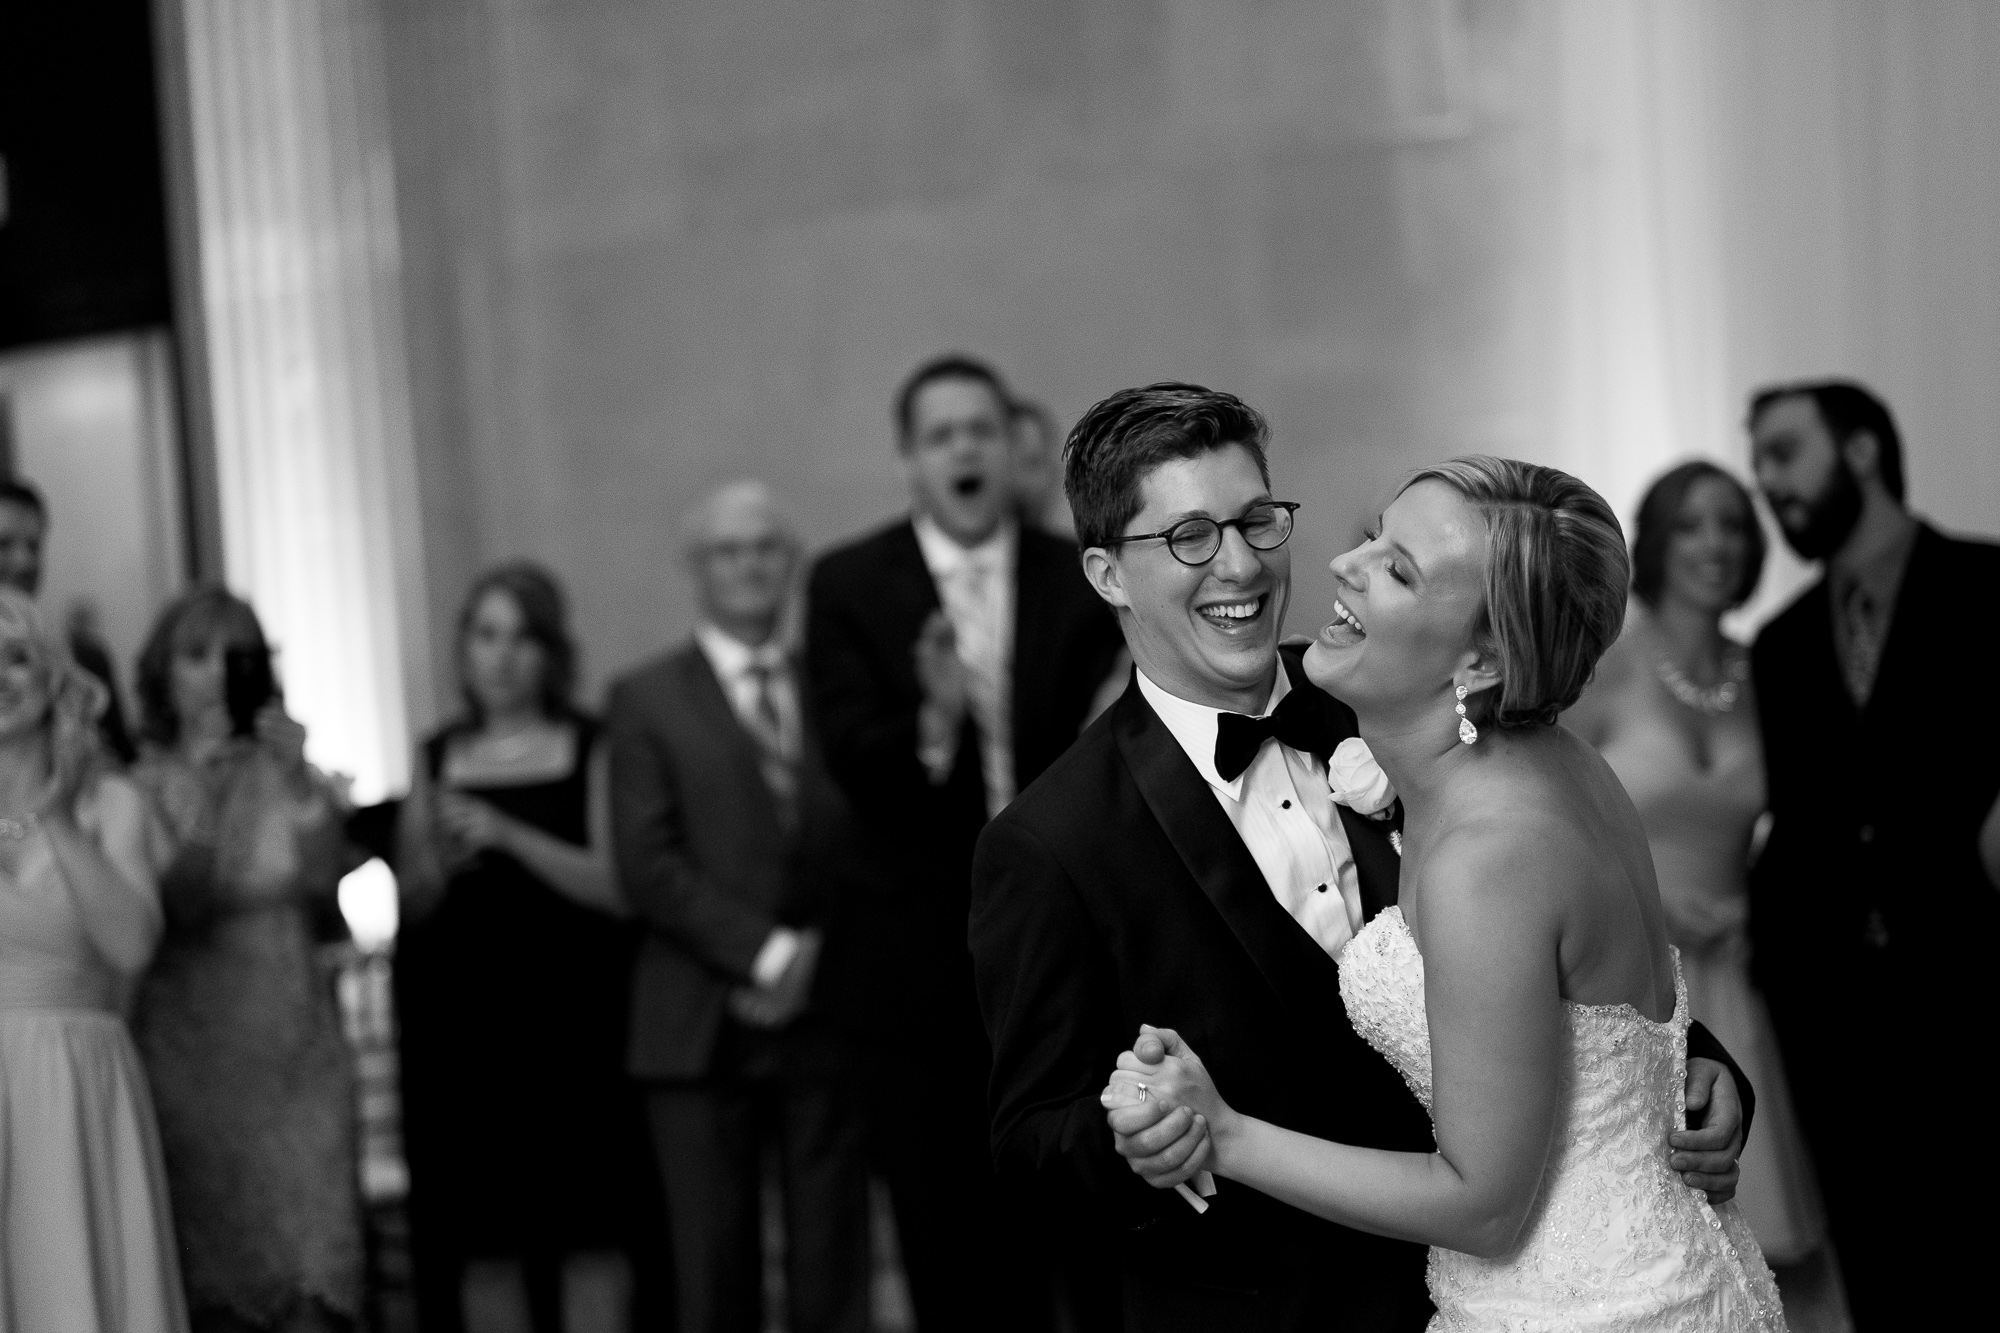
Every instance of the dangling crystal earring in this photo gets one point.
(1467, 733)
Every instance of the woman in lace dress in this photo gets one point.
(86, 1241)
(1524, 987)
(237, 1019)
(1672, 712)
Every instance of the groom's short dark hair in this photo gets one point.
(1120, 440)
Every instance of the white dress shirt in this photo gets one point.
(736, 665)
(976, 586)
(1281, 808)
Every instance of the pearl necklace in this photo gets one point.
(1710, 700)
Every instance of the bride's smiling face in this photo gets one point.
(1410, 601)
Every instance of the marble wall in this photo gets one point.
(649, 247)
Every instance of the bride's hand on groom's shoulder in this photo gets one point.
(1161, 1104)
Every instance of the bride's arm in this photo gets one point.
(1491, 991)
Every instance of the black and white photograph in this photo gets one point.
(998, 666)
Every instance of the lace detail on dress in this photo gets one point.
(1615, 1241)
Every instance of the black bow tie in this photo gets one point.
(1295, 723)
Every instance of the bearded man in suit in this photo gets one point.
(1183, 864)
(729, 837)
(953, 654)
(1873, 909)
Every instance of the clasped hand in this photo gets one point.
(471, 824)
(1165, 1113)
(779, 1004)
(1164, 1109)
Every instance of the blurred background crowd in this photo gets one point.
(515, 612)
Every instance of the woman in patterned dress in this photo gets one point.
(237, 1019)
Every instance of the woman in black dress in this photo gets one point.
(529, 1179)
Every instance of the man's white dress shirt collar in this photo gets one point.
(732, 659)
(1282, 809)
(944, 557)
(1194, 726)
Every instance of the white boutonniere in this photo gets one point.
(1358, 782)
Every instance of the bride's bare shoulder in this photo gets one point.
(1525, 837)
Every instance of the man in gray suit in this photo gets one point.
(727, 835)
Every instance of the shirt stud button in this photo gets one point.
(1322, 888)
(1284, 805)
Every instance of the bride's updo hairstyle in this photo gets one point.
(1556, 581)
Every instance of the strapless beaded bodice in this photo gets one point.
(1614, 1241)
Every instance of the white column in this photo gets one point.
(300, 321)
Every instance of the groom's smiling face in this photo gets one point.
(1207, 633)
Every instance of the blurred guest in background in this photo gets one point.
(728, 834)
(1873, 907)
(529, 1189)
(87, 1241)
(237, 1019)
(1038, 468)
(953, 655)
(24, 525)
(1672, 710)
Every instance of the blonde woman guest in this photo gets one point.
(1673, 712)
(86, 1240)
(237, 1018)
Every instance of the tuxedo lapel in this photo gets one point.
(907, 582)
(1909, 624)
(1376, 862)
(1209, 846)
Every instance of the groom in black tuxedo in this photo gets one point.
(1185, 867)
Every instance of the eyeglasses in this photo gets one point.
(1194, 541)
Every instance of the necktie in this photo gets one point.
(768, 727)
(764, 705)
(1864, 643)
(1295, 723)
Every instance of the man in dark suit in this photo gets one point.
(728, 840)
(1873, 908)
(953, 655)
(1187, 868)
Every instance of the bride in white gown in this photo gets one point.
(1524, 987)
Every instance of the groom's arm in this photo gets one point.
(1702, 1045)
(1720, 1101)
(1048, 992)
